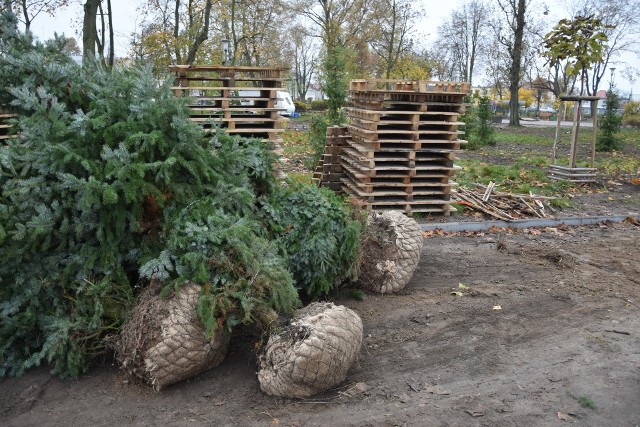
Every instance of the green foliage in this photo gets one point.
(586, 402)
(317, 139)
(511, 178)
(580, 41)
(478, 127)
(301, 106)
(335, 83)
(609, 125)
(319, 105)
(110, 184)
(632, 114)
(316, 233)
(230, 255)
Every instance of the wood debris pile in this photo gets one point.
(501, 205)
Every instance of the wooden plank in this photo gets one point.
(566, 168)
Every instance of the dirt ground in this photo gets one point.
(544, 332)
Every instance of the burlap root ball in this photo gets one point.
(391, 248)
(164, 341)
(312, 353)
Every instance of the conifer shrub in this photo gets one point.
(610, 124)
(317, 234)
(109, 186)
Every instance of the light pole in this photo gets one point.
(225, 51)
(613, 70)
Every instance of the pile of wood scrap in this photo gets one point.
(501, 205)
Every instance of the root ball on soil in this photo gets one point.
(391, 250)
(164, 341)
(312, 353)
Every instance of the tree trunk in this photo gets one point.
(202, 36)
(516, 64)
(111, 41)
(25, 12)
(89, 29)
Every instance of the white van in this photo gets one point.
(283, 101)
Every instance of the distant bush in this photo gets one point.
(478, 128)
(631, 115)
(319, 105)
(301, 106)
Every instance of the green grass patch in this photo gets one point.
(510, 178)
(586, 402)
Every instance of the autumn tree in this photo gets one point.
(173, 31)
(255, 29)
(337, 24)
(577, 45)
(463, 38)
(393, 22)
(621, 21)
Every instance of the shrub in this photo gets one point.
(632, 114)
(301, 106)
(609, 125)
(317, 234)
(319, 105)
(478, 127)
(110, 185)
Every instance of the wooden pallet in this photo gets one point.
(5, 127)
(240, 100)
(329, 171)
(421, 86)
(578, 175)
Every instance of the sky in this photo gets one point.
(127, 18)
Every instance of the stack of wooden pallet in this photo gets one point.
(329, 172)
(402, 144)
(241, 100)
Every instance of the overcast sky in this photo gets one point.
(126, 19)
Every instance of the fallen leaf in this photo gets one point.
(635, 181)
(462, 286)
(458, 294)
(564, 417)
(497, 307)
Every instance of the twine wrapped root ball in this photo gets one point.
(312, 353)
(164, 341)
(391, 248)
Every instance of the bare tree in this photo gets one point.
(305, 60)
(393, 22)
(464, 37)
(339, 22)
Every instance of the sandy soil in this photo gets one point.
(566, 333)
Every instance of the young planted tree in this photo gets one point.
(620, 22)
(609, 126)
(576, 44)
